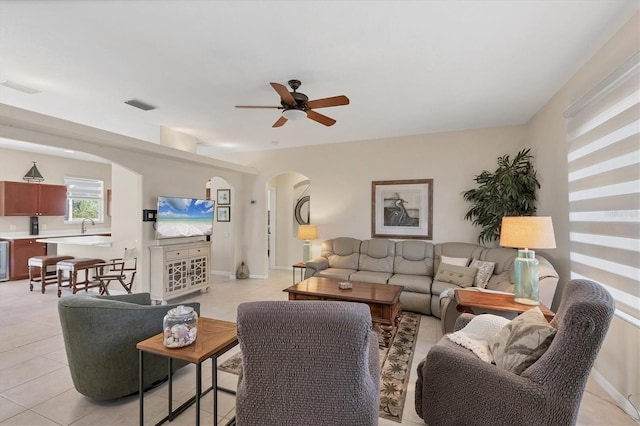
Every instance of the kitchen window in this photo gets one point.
(85, 199)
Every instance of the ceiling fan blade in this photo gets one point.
(280, 122)
(322, 119)
(328, 102)
(284, 93)
(256, 106)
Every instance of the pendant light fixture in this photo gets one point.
(33, 175)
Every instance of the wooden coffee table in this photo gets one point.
(214, 338)
(383, 299)
(469, 299)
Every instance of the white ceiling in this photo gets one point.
(408, 67)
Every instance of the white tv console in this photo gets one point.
(179, 269)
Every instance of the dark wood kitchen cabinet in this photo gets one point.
(32, 199)
(19, 253)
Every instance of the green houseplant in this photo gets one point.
(509, 191)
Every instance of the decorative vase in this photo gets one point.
(180, 326)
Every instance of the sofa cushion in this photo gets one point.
(457, 261)
(370, 277)
(342, 252)
(501, 282)
(413, 283)
(485, 270)
(502, 257)
(335, 273)
(467, 250)
(522, 341)
(437, 287)
(377, 256)
(459, 275)
(413, 258)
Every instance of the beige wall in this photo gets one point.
(617, 367)
(341, 176)
(14, 164)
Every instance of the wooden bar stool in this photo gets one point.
(41, 263)
(73, 266)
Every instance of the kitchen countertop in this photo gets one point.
(53, 234)
(80, 240)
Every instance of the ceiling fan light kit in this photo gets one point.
(296, 105)
(294, 114)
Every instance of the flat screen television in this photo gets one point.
(184, 217)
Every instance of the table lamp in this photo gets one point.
(307, 233)
(523, 233)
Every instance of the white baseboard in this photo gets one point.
(618, 398)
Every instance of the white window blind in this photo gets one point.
(84, 199)
(603, 132)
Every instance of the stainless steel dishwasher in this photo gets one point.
(4, 261)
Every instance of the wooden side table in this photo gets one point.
(469, 299)
(302, 267)
(214, 338)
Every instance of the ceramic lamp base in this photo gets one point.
(527, 280)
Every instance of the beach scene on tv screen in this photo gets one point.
(184, 217)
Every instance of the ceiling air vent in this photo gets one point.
(19, 87)
(139, 104)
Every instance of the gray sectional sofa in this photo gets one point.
(414, 264)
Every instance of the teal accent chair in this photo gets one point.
(100, 335)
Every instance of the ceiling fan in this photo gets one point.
(297, 105)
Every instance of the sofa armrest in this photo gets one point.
(462, 321)
(450, 371)
(548, 281)
(315, 265)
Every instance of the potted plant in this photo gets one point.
(509, 191)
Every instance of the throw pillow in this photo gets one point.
(476, 334)
(485, 270)
(459, 275)
(458, 261)
(521, 342)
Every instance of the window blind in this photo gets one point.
(603, 133)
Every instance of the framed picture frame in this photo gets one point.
(224, 214)
(402, 209)
(224, 196)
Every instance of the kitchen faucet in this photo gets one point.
(83, 229)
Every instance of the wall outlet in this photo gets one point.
(12, 227)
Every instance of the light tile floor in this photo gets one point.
(36, 387)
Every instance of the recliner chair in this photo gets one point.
(100, 335)
(455, 386)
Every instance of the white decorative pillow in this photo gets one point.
(459, 275)
(476, 334)
(485, 270)
(521, 342)
(458, 261)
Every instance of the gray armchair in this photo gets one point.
(307, 363)
(455, 387)
(100, 335)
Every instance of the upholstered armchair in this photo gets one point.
(100, 335)
(307, 363)
(454, 386)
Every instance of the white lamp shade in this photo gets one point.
(294, 114)
(535, 232)
(307, 232)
